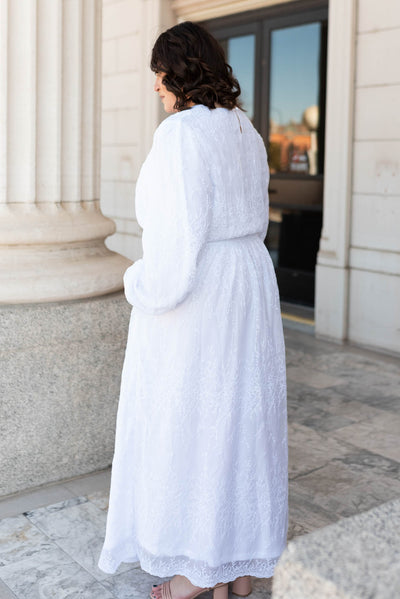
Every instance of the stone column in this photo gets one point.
(61, 360)
(51, 228)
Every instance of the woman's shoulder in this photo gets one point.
(182, 126)
(201, 122)
(174, 124)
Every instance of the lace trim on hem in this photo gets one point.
(199, 573)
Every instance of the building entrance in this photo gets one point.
(279, 57)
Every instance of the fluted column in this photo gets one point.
(51, 229)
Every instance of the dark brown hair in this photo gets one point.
(195, 67)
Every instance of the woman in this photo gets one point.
(199, 477)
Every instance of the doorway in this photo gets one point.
(278, 54)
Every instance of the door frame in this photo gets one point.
(332, 272)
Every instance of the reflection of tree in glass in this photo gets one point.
(274, 156)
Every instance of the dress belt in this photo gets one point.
(241, 238)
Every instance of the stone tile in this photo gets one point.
(351, 410)
(5, 592)
(326, 409)
(379, 383)
(78, 527)
(370, 464)
(379, 435)
(307, 344)
(34, 515)
(340, 491)
(302, 461)
(261, 587)
(293, 356)
(312, 378)
(326, 422)
(375, 395)
(296, 390)
(135, 584)
(310, 450)
(51, 574)
(13, 506)
(348, 363)
(100, 499)
(330, 480)
(99, 481)
(20, 539)
(300, 410)
(305, 516)
(313, 414)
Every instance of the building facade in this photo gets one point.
(334, 157)
(321, 81)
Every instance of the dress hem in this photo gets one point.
(199, 573)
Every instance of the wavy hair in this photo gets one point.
(195, 67)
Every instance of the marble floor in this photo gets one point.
(344, 424)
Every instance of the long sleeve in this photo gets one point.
(172, 207)
(265, 178)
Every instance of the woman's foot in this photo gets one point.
(242, 586)
(181, 588)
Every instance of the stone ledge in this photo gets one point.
(355, 558)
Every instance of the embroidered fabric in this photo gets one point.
(199, 475)
(200, 573)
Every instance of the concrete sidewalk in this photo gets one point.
(344, 423)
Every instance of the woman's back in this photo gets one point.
(235, 169)
(204, 180)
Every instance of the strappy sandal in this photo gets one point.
(242, 586)
(220, 591)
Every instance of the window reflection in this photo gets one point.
(240, 53)
(294, 99)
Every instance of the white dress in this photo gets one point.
(199, 475)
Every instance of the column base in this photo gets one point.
(60, 378)
(53, 252)
(59, 272)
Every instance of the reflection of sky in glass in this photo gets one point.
(294, 72)
(241, 55)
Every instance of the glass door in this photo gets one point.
(279, 59)
(242, 45)
(240, 51)
(294, 131)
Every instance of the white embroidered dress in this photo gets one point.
(199, 475)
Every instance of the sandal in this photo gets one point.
(220, 591)
(242, 586)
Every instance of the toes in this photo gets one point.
(156, 591)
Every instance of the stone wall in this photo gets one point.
(374, 289)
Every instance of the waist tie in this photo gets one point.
(241, 238)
